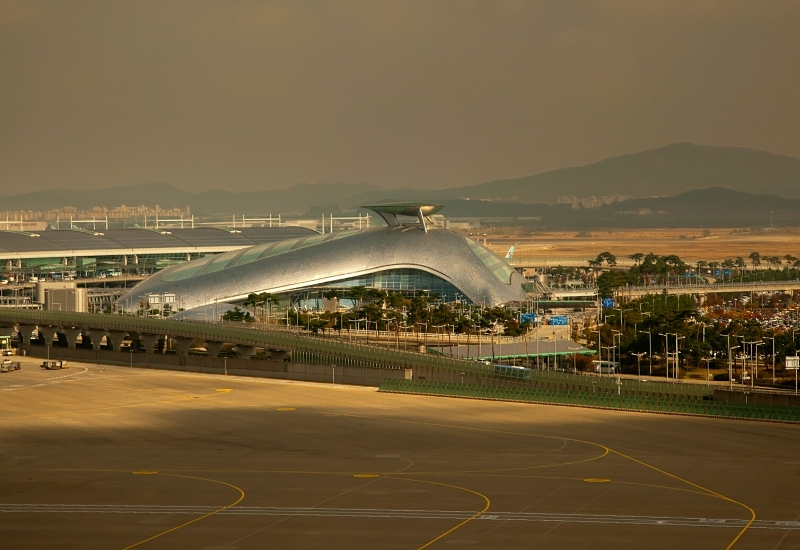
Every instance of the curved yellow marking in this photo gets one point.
(195, 520)
(597, 480)
(285, 409)
(144, 473)
(608, 449)
(473, 516)
(709, 491)
(224, 390)
(366, 475)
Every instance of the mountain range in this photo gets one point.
(665, 171)
(681, 181)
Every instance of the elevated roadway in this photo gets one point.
(703, 289)
(116, 328)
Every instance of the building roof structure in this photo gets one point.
(55, 243)
(338, 260)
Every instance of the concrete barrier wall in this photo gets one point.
(359, 376)
(757, 398)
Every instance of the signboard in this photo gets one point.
(559, 320)
(608, 302)
(792, 363)
(531, 318)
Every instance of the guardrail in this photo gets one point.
(622, 386)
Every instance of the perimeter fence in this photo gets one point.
(634, 403)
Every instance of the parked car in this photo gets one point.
(7, 352)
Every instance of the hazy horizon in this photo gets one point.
(255, 95)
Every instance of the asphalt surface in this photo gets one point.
(113, 457)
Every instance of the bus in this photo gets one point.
(512, 371)
(606, 367)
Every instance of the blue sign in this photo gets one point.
(727, 272)
(608, 302)
(531, 318)
(559, 320)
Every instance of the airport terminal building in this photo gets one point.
(399, 257)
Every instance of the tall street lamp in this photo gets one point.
(650, 355)
(666, 350)
(639, 363)
(599, 352)
(773, 356)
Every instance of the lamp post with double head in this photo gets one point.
(650, 341)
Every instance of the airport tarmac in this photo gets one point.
(113, 457)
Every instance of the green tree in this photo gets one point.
(755, 259)
(637, 257)
(357, 293)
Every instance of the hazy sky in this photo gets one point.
(253, 95)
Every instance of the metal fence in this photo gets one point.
(652, 404)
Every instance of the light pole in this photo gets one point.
(426, 334)
(599, 351)
(639, 363)
(612, 364)
(708, 370)
(617, 336)
(666, 351)
(439, 332)
(621, 317)
(755, 370)
(677, 355)
(773, 356)
(753, 344)
(650, 355)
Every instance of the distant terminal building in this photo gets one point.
(403, 257)
(66, 253)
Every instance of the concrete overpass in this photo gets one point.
(703, 289)
(521, 262)
(276, 343)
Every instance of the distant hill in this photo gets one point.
(713, 207)
(298, 199)
(666, 171)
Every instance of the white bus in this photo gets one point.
(606, 367)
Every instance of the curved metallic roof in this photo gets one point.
(323, 259)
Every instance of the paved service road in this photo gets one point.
(112, 457)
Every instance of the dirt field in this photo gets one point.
(126, 458)
(689, 244)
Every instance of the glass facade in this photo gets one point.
(406, 281)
